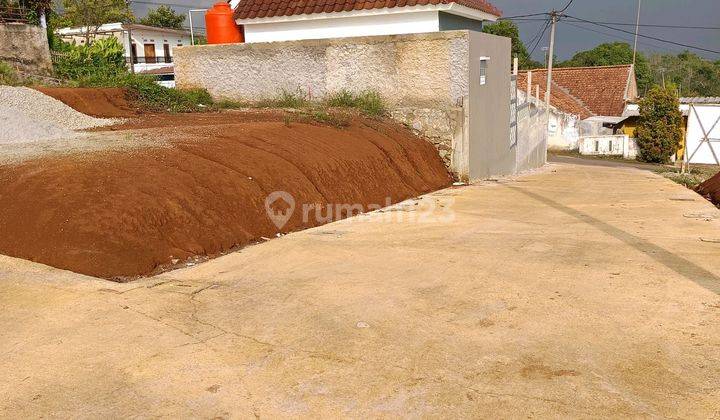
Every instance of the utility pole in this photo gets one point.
(130, 45)
(192, 31)
(637, 29)
(130, 40)
(551, 52)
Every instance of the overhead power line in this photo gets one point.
(615, 36)
(539, 37)
(695, 47)
(713, 28)
(522, 16)
(566, 6)
(646, 25)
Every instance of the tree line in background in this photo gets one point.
(691, 74)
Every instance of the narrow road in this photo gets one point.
(574, 291)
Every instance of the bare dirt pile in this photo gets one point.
(120, 214)
(98, 102)
(710, 189)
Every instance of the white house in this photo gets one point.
(150, 49)
(273, 20)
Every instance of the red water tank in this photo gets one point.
(220, 25)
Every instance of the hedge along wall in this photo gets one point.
(25, 47)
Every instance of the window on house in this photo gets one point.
(483, 69)
(166, 53)
(133, 48)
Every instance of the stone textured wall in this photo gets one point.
(422, 77)
(25, 47)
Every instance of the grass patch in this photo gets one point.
(231, 104)
(324, 117)
(8, 76)
(692, 178)
(368, 102)
(152, 96)
(286, 99)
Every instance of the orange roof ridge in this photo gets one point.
(580, 68)
(251, 9)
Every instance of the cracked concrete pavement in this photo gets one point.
(575, 291)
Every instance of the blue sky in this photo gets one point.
(571, 39)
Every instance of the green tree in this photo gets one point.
(104, 58)
(694, 75)
(94, 13)
(612, 54)
(509, 29)
(163, 17)
(660, 130)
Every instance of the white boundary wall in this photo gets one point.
(532, 135)
(608, 145)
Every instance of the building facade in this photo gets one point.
(147, 48)
(268, 21)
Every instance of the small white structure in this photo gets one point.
(267, 20)
(702, 137)
(608, 145)
(151, 48)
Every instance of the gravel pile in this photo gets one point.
(28, 115)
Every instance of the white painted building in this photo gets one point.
(267, 20)
(151, 48)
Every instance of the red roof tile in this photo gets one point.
(603, 90)
(559, 98)
(248, 9)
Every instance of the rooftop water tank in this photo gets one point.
(220, 25)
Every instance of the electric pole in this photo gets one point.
(130, 40)
(637, 29)
(551, 53)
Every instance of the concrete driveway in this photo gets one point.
(576, 291)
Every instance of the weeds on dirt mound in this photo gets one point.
(368, 102)
(230, 104)
(151, 95)
(286, 99)
(8, 76)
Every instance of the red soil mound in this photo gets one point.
(123, 214)
(98, 102)
(710, 189)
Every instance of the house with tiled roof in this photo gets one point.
(588, 91)
(596, 95)
(289, 20)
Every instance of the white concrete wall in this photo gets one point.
(611, 145)
(532, 132)
(563, 130)
(334, 27)
(429, 81)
